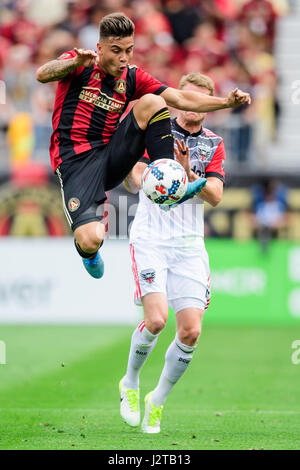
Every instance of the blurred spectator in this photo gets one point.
(17, 29)
(55, 42)
(89, 34)
(206, 46)
(241, 119)
(183, 19)
(152, 23)
(75, 20)
(260, 17)
(230, 40)
(18, 74)
(42, 102)
(270, 211)
(37, 8)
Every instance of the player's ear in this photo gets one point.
(99, 47)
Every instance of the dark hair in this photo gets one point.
(116, 24)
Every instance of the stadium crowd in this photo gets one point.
(230, 40)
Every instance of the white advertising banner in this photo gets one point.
(44, 281)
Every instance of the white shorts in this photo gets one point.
(178, 272)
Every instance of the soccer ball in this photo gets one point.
(164, 181)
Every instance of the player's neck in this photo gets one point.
(191, 127)
(102, 67)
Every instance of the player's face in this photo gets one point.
(114, 54)
(189, 116)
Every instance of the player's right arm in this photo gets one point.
(58, 69)
(201, 103)
(133, 181)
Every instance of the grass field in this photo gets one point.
(59, 390)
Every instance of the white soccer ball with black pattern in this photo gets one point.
(164, 181)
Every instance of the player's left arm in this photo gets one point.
(133, 181)
(200, 102)
(213, 190)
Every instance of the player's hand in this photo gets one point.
(182, 155)
(237, 97)
(193, 188)
(85, 57)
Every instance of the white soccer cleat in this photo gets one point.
(152, 418)
(130, 404)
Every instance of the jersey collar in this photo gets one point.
(107, 75)
(184, 131)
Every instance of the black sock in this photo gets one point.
(159, 138)
(84, 254)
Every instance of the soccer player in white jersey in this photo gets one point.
(170, 262)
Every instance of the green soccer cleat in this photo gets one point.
(152, 418)
(130, 404)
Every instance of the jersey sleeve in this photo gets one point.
(145, 158)
(70, 55)
(145, 83)
(216, 166)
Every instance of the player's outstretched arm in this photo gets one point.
(133, 181)
(59, 69)
(202, 103)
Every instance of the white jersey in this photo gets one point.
(181, 226)
(184, 224)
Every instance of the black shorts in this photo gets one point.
(85, 178)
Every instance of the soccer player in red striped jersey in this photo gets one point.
(91, 151)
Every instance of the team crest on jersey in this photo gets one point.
(73, 204)
(148, 275)
(97, 76)
(204, 152)
(120, 86)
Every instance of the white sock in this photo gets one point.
(177, 359)
(142, 343)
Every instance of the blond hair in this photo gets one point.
(198, 79)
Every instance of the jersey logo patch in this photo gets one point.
(120, 86)
(73, 204)
(204, 152)
(148, 275)
(97, 76)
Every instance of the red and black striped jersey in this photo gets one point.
(207, 151)
(88, 107)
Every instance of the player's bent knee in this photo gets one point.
(88, 243)
(155, 325)
(150, 104)
(152, 101)
(189, 336)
